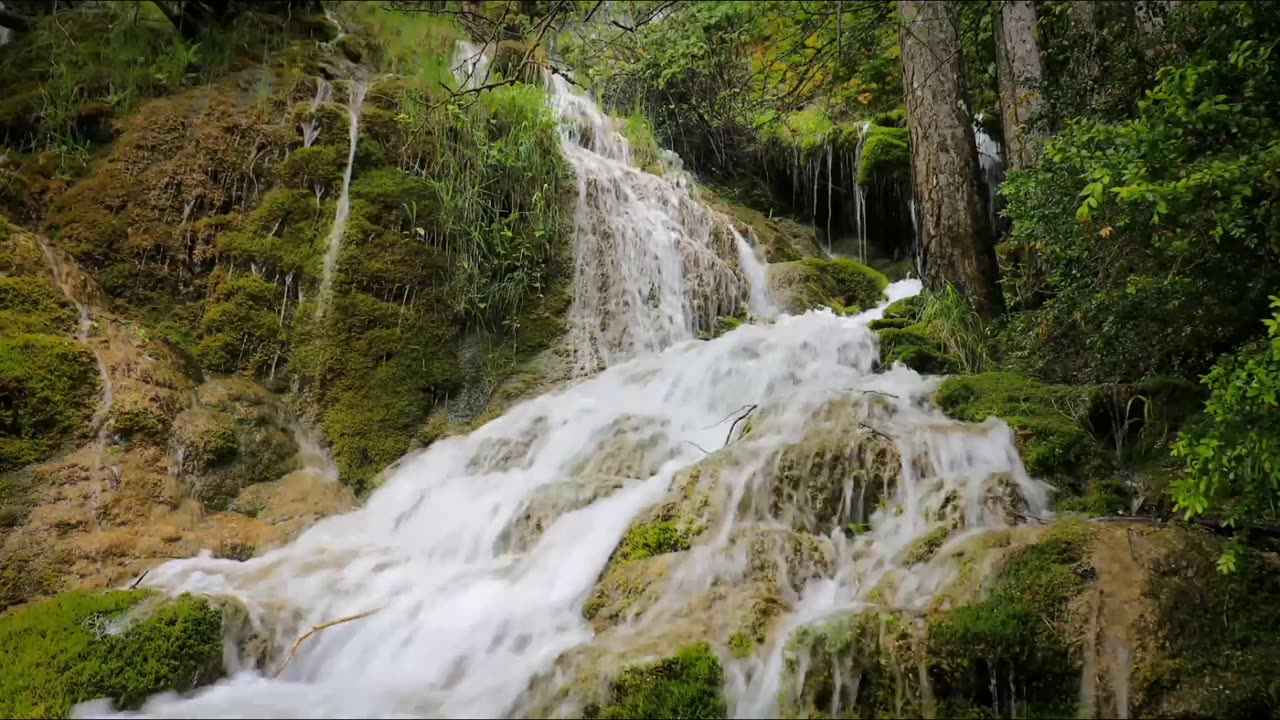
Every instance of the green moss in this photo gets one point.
(645, 153)
(30, 305)
(905, 309)
(647, 540)
(82, 646)
(48, 386)
(1213, 650)
(890, 324)
(140, 423)
(858, 664)
(318, 167)
(914, 347)
(1018, 642)
(1101, 497)
(923, 549)
(241, 331)
(688, 684)
(886, 156)
(842, 284)
(1047, 420)
(741, 644)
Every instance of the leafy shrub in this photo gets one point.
(1233, 459)
(688, 685)
(1139, 274)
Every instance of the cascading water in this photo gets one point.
(860, 193)
(652, 263)
(440, 597)
(311, 125)
(991, 161)
(470, 64)
(357, 90)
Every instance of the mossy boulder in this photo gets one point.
(121, 645)
(1048, 421)
(689, 684)
(782, 239)
(886, 156)
(914, 347)
(236, 435)
(844, 285)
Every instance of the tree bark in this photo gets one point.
(955, 235)
(1021, 73)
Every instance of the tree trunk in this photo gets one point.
(1021, 73)
(955, 234)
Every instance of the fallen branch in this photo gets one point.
(315, 630)
(704, 450)
(886, 436)
(743, 416)
(140, 577)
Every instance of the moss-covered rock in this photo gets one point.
(842, 284)
(782, 239)
(688, 684)
(860, 664)
(123, 645)
(1047, 420)
(914, 347)
(234, 436)
(886, 156)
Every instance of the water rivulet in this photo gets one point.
(773, 470)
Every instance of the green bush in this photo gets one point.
(1232, 460)
(82, 646)
(33, 306)
(241, 330)
(1130, 238)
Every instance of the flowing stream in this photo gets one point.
(439, 598)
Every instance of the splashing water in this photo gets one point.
(354, 104)
(653, 265)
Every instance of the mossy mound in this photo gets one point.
(235, 436)
(844, 285)
(913, 346)
(120, 645)
(886, 156)
(688, 684)
(1048, 421)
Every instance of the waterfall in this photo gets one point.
(311, 125)
(991, 160)
(653, 265)
(354, 103)
(470, 64)
(462, 581)
(5, 33)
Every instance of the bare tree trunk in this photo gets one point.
(955, 234)
(1021, 73)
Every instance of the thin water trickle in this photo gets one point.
(860, 192)
(355, 102)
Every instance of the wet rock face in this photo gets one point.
(233, 437)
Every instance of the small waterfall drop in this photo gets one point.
(311, 125)
(354, 104)
(470, 64)
(653, 265)
(991, 161)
